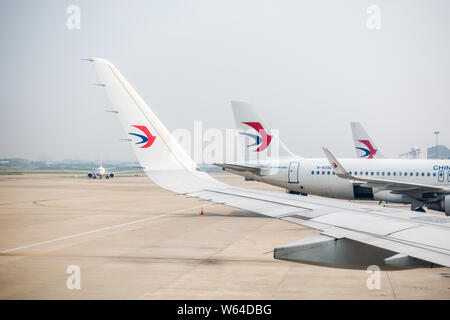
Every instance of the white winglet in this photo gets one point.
(338, 168)
(164, 160)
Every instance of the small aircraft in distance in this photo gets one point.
(101, 172)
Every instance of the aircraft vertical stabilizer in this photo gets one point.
(258, 140)
(365, 146)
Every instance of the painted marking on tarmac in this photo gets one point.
(76, 235)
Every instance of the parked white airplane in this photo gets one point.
(101, 172)
(364, 145)
(416, 182)
(351, 235)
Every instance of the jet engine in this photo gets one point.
(111, 175)
(90, 175)
(386, 195)
(442, 205)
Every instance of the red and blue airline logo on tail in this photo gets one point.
(262, 140)
(369, 152)
(147, 139)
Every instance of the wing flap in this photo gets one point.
(364, 223)
(416, 250)
(238, 199)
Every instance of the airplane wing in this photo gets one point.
(398, 186)
(349, 235)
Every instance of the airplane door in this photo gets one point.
(441, 176)
(448, 176)
(293, 172)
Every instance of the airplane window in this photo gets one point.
(394, 173)
(382, 173)
(334, 173)
(367, 173)
(328, 172)
(406, 173)
(371, 173)
(350, 172)
(323, 172)
(361, 173)
(434, 174)
(423, 174)
(389, 173)
(411, 174)
(417, 174)
(378, 173)
(356, 173)
(312, 172)
(318, 172)
(428, 174)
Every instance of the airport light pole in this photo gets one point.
(437, 151)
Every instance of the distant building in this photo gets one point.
(414, 153)
(441, 152)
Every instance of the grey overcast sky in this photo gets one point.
(310, 67)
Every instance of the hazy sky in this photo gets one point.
(310, 67)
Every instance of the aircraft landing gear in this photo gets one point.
(417, 206)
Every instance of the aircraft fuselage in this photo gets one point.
(316, 176)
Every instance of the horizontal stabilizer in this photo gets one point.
(239, 168)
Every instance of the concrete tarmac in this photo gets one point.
(133, 240)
